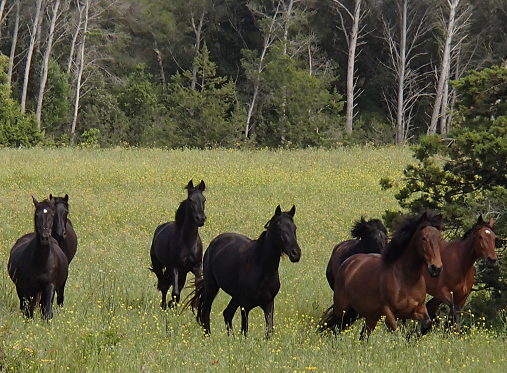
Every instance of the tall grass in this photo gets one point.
(112, 322)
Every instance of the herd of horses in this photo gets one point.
(371, 276)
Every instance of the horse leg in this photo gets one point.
(455, 313)
(368, 327)
(46, 303)
(229, 312)
(431, 310)
(162, 284)
(178, 281)
(349, 318)
(210, 291)
(60, 294)
(268, 316)
(244, 321)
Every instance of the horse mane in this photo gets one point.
(179, 217)
(360, 227)
(476, 226)
(404, 232)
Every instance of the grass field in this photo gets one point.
(112, 322)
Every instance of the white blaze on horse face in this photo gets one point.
(45, 211)
(487, 231)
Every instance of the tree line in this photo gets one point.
(233, 73)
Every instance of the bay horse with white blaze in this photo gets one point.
(390, 284)
(37, 265)
(176, 248)
(455, 283)
(247, 270)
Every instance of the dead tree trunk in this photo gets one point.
(45, 61)
(29, 54)
(80, 68)
(445, 67)
(14, 43)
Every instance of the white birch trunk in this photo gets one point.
(400, 113)
(198, 37)
(45, 62)
(14, 43)
(350, 66)
(79, 72)
(74, 40)
(29, 55)
(445, 68)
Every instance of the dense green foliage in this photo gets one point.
(111, 320)
(465, 174)
(277, 69)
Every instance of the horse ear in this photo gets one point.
(202, 186)
(66, 198)
(424, 217)
(35, 202)
(278, 210)
(292, 211)
(190, 185)
(491, 222)
(480, 219)
(50, 196)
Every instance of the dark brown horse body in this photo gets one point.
(390, 284)
(247, 270)
(369, 237)
(177, 248)
(37, 265)
(63, 231)
(455, 283)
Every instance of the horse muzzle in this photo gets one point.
(295, 255)
(200, 220)
(434, 270)
(490, 262)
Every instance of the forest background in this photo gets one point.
(235, 73)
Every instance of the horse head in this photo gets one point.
(61, 215)
(428, 239)
(43, 219)
(282, 227)
(196, 201)
(485, 247)
(372, 233)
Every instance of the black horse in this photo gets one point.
(63, 231)
(177, 248)
(37, 265)
(368, 237)
(246, 270)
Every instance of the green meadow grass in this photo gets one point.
(112, 322)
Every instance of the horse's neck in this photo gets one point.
(41, 251)
(189, 230)
(467, 253)
(266, 254)
(411, 265)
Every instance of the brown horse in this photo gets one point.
(453, 286)
(390, 284)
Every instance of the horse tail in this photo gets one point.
(194, 299)
(328, 321)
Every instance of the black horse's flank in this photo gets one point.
(368, 237)
(37, 265)
(247, 270)
(176, 248)
(63, 231)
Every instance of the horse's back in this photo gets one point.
(70, 241)
(160, 242)
(340, 253)
(224, 257)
